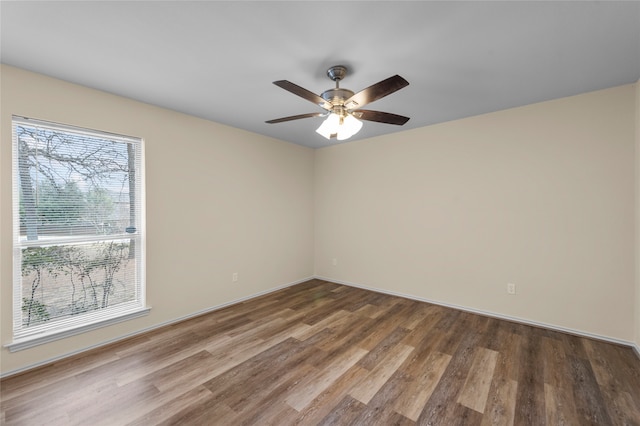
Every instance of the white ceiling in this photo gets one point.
(217, 60)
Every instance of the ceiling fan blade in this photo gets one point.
(303, 93)
(380, 117)
(376, 91)
(296, 117)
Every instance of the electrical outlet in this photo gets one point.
(511, 288)
(334, 262)
(234, 277)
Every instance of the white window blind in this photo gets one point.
(78, 230)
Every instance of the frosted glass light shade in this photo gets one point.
(350, 126)
(329, 126)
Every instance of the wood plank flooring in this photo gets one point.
(322, 353)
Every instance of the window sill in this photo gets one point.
(40, 339)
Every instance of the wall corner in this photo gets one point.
(637, 219)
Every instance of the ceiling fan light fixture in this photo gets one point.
(342, 127)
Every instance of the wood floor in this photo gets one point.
(322, 353)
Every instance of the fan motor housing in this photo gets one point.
(337, 96)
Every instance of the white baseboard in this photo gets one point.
(636, 348)
(489, 314)
(147, 329)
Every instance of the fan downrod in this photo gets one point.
(338, 95)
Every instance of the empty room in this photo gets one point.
(319, 212)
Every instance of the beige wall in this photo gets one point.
(541, 196)
(219, 200)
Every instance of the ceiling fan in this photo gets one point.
(343, 105)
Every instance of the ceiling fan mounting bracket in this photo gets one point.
(337, 72)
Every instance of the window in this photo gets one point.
(78, 239)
